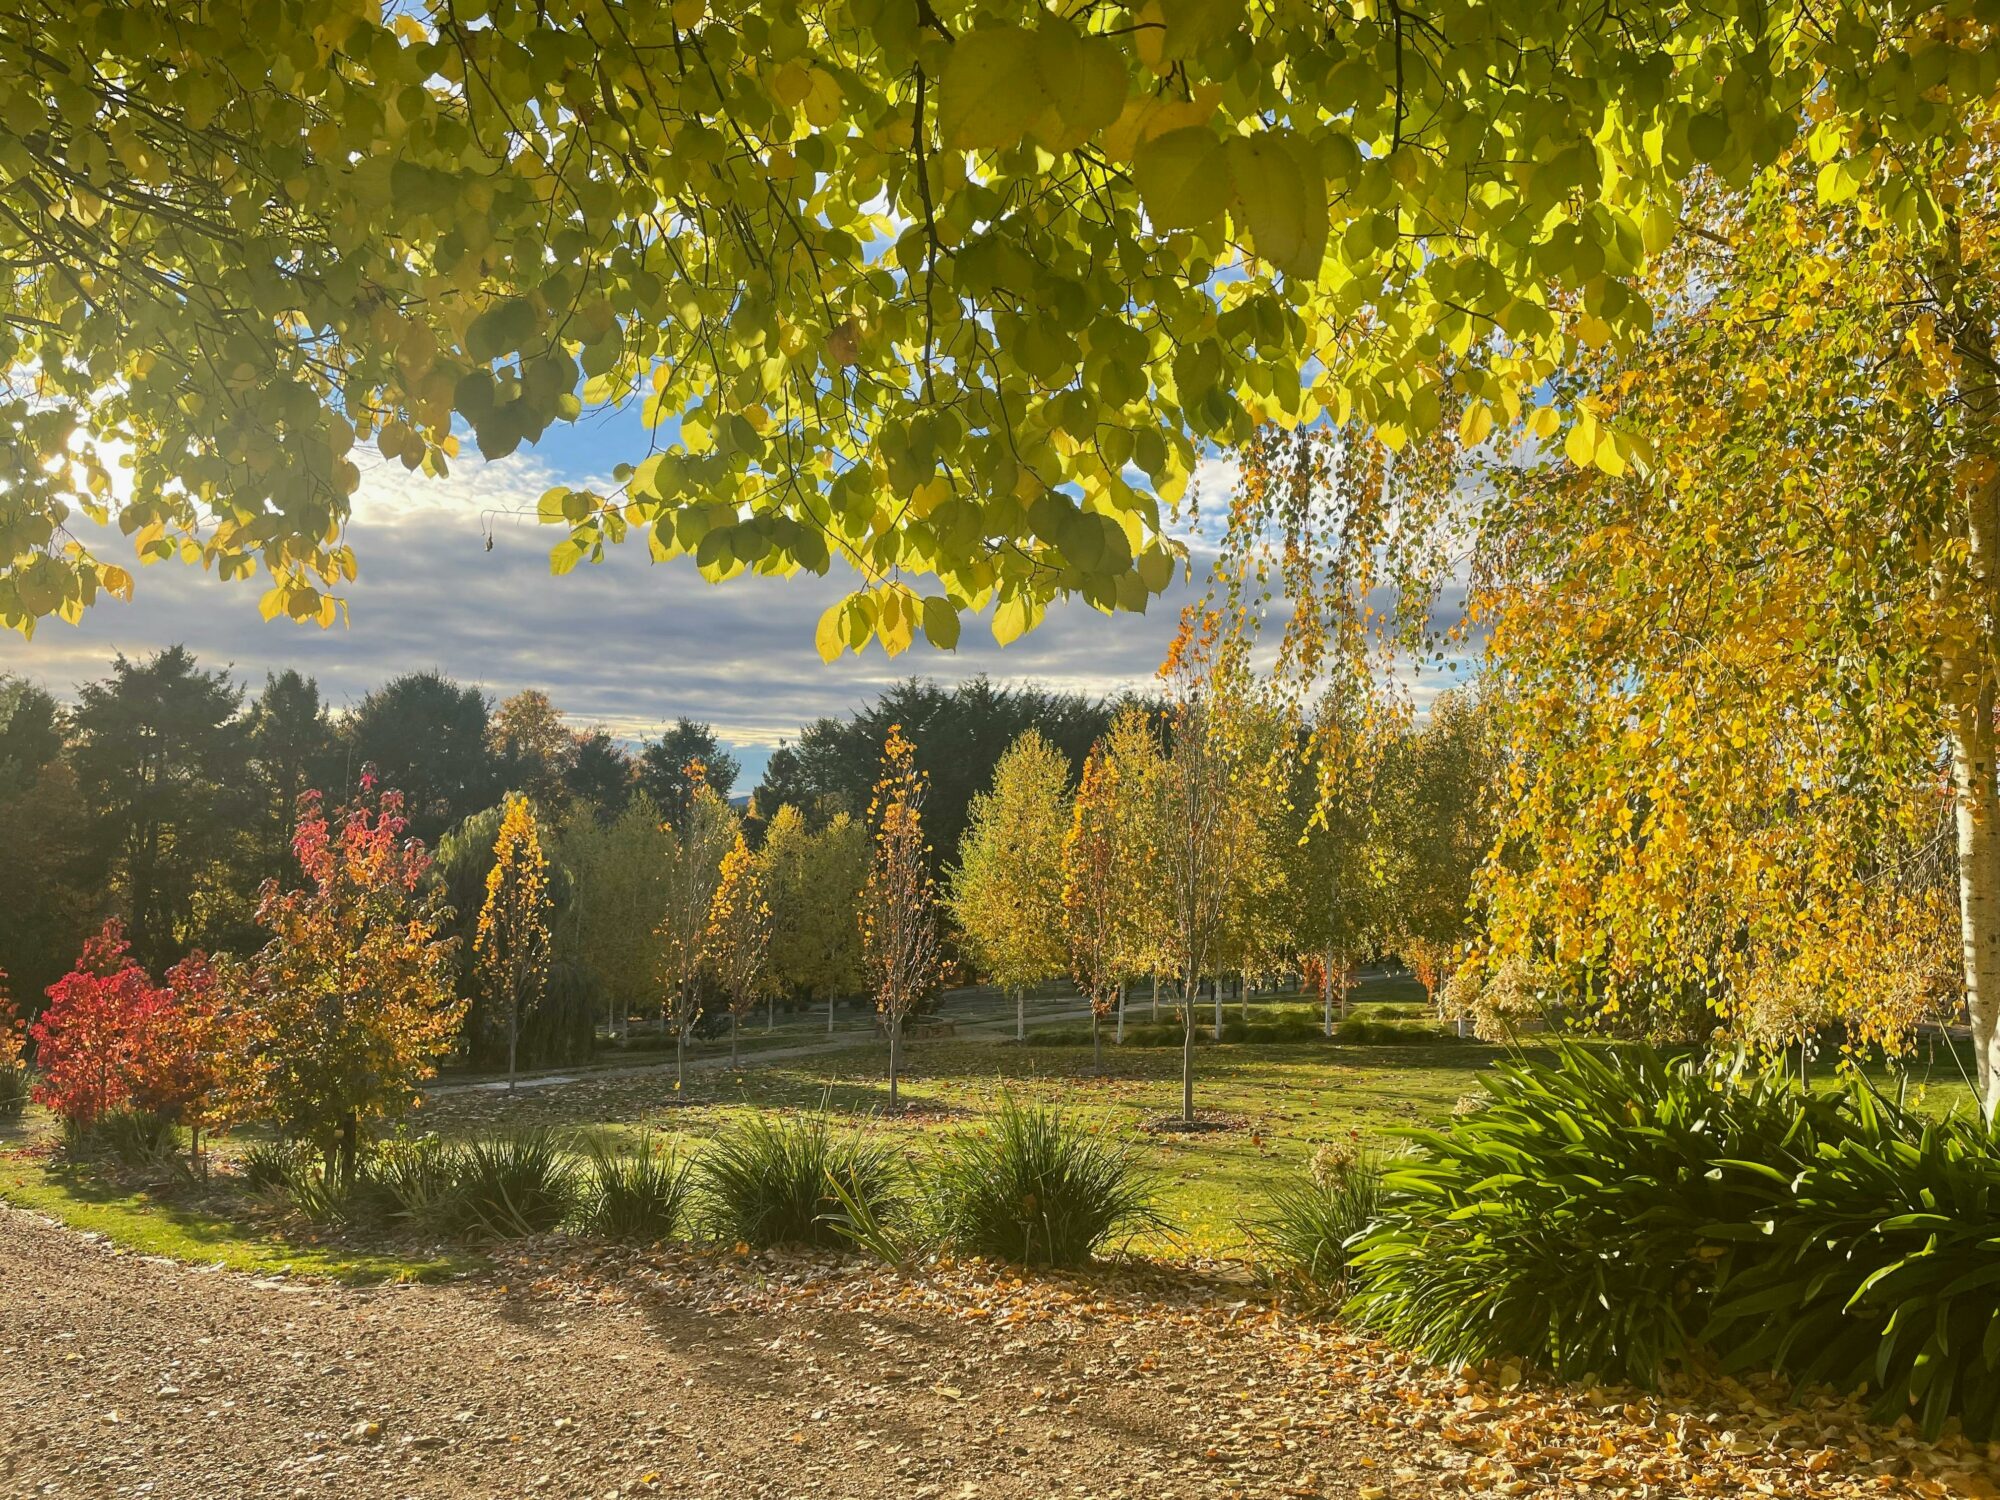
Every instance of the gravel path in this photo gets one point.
(127, 1376)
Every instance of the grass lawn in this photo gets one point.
(195, 1230)
(1279, 1101)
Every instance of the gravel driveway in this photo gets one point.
(127, 1376)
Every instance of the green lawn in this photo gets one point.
(1280, 1103)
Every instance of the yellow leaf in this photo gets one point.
(1147, 118)
(1475, 424)
(829, 635)
(1581, 443)
(1283, 204)
(991, 91)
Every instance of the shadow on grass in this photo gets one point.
(149, 1222)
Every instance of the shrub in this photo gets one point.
(15, 1087)
(774, 1183)
(268, 1166)
(637, 1194)
(1038, 1190)
(131, 1138)
(1312, 1220)
(1877, 1263)
(419, 1180)
(1613, 1215)
(507, 1186)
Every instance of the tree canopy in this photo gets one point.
(956, 292)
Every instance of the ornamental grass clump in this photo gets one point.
(1038, 1189)
(768, 1182)
(1311, 1220)
(635, 1194)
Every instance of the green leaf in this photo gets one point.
(1181, 178)
(991, 91)
(1284, 205)
(940, 622)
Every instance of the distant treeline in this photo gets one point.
(165, 794)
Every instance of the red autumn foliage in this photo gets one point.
(111, 1039)
(13, 1040)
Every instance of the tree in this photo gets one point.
(292, 750)
(601, 773)
(427, 736)
(738, 939)
(512, 943)
(666, 764)
(161, 759)
(1450, 790)
(1007, 890)
(815, 880)
(95, 1037)
(44, 829)
(899, 930)
(350, 1004)
(960, 732)
(1728, 773)
(453, 200)
(617, 873)
(1131, 748)
(532, 750)
(1349, 857)
(1095, 901)
(702, 834)
(1200, 817)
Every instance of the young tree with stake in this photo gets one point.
(899, 931)
(1096, 903)
(511, 945)
(739, 936)
(706, 830)
(1007, 889)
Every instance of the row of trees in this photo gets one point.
(1219, 837)
(165, 795)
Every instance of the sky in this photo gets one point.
(630, 645)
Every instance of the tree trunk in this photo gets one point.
(1020, 1013)
(895, 1053)
(829, 1012)
(680, 1056)
(1215, 994)
(1096, 1042)
(1978, 821)
(1156, 997)
(770, 1012)
(350, 1147)
(513, 1040)
(735, 1028)
(1121, 1013)
(1969, 683)
(1243, 995)
(1187, 1051)
(1326, 990)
